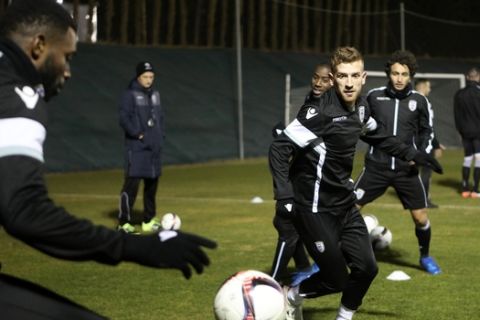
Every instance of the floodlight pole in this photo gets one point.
(238, 35)
(402, 25)
(287, 99)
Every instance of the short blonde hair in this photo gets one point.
(344, 55)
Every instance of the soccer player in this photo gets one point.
(311, 164)
(424, 87)
(288, 245)
(38, 40)
(466, 107)
(406, 115)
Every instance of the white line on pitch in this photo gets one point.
(206, 199)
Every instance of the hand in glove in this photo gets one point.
(285, 207)
(424, 159)
(278, 129)
(169, 249)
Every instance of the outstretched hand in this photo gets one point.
(424, 159)
(171, 249)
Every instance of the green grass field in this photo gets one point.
(214, 200)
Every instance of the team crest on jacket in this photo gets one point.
(361, 113)
(412, 105)
(320, 246)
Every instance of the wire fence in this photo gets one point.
(373, 26)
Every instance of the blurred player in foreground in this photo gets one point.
(311, 164)
(288, 244)
(38, 42)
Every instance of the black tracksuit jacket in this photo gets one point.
(466, 108)
(26, 211)
(405, 115)
(312, 160)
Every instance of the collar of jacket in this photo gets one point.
(391, 92)
(471, 83)
(134, 85)
(20, 63)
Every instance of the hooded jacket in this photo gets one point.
(141, 114)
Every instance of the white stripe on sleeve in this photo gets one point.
(22, 136)
(299, 134)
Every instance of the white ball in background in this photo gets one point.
(371, 221)
(171, 221)
(381, 238)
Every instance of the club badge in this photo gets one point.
(361, 113)
(320, 246)
(412, 105)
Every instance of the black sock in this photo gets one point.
(476, 177)
(465, 175)
(423, 237)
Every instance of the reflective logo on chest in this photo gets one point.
(28, 95)
(412, 105)
(312, 112)
(341, 118)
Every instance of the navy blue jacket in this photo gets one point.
(141, 113)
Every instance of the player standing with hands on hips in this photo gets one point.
(405, 114)
(311, 163)
(142, 119)
(38, 41)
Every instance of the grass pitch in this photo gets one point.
(214, 200)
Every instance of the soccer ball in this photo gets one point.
(252, 295)
(171, 221)
(370, 221)
(381, 237)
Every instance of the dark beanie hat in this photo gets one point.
(143, 67)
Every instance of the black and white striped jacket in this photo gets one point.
(311, 161)
(408, 117)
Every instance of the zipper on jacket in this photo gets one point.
(395, 124)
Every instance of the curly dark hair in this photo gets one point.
(28, 16)
(403, 57)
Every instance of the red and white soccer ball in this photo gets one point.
(381, 238)
(171, 221)
(250, 295)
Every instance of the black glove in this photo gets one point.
(285, 207)
(278, 129)
(424, 159)
(169, 249)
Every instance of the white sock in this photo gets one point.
(344, 313)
